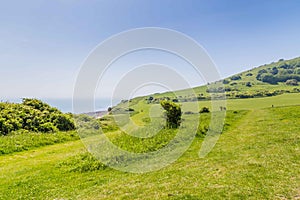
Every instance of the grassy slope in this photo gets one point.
(140, 105)
(259, 85)
(22, 141)
(143, 109)
(257, 103)
(258, 159)
(240, 85)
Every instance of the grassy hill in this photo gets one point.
(246, 85)
(249, 84)
(256, 157)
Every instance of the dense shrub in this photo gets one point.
(204, 110)
(225, 81)
(248, 84)
(228, 89)
(274, 71)
(281, 72)
(291, 82)
(215, 90)
(244, 95)
(262, 71)
(129, 110)
(189, 113)
(236, 77)
(33, 115)
(285, 66)
(274, 79)
(173, 114)
(202, 129)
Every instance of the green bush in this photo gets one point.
(204, 110)
(189, 113)
(173, 113)
(33, 115)
(236, 77)
(293, 82)
(225, 81)
(279, 73)
(202, 129)
(248, 84)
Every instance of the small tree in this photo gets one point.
(204, 110)
(236, 77)
(225, 81)
(293, 82)
(173, 113)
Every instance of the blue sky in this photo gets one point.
(43, 43)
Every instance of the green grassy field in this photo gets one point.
(22, 141)
(258, 103)
(256, 157)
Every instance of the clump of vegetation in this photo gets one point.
(146, 119)
(204, 110)
(83, 162)
(293, 82)
(281, 72)
(143, 145)
(33, 115)
(248, 84)
(108, 124)
(236, 77)
(129, 110)
(215, 90)
(121, 110)
(225, 81)
(86, 122)
(173, 114)
(87, 125)
(189, 113)
(231, 120)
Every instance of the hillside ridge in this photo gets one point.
(266, 80)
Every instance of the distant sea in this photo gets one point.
(66, 105)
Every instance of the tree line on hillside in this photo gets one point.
(216, 93)
(284, 72)
(33, 115)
